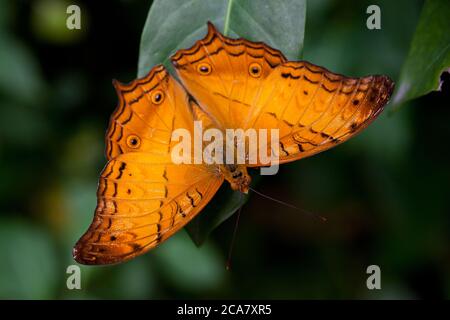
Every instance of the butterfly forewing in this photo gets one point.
(250, 85)
(236, 70)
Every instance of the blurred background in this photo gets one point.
(385, 193)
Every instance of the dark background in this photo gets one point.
(385, 193)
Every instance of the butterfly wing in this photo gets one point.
(250, 85)
(228, 89)
(147, 112)
(315, 109)
(143, 197)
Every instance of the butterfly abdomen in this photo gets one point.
(237, 176)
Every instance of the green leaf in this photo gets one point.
(429, 55)
(224, 204)
(176, 24)
(280, 24)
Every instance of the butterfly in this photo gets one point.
(143, 197)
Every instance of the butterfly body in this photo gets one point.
(237, 176)
(144, 197)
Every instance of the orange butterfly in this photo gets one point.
(144, 198)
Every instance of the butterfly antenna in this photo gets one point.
(289, 205)
(230, 251)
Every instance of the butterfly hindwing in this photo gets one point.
(142, 199)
